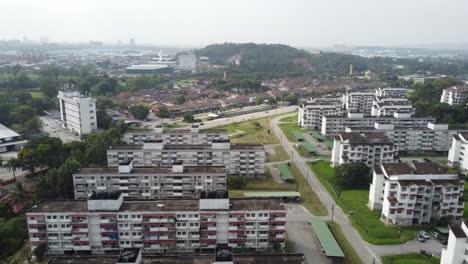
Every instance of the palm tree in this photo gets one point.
(20, 194)
(12, 165)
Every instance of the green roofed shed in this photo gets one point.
(316, 134)
(442, 229)
(308, 146)
(298, 135)
(329, 143)
(272, 194)
(326, 238)
(285, 173)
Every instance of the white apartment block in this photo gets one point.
(391, 92)
(372, 149)
(458, 154)
(434, 137)
(332, 125)
(187, 62)
(389, 106)
(178, 181)
(455, 95)
(310, 113)
(414, 193)
(106, 223)
(359, 102)
(238, 159)
(192, 136)
(77, 112)
(457, 245)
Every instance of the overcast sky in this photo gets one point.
(305, 23)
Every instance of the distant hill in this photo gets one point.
(276, 60)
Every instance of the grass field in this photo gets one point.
(302, 152)
(167, 127)
(288, 128)
(280, 154)
(351, 256)
(292, 118)
(354, 203)
(249, 134)
(412, 258)
(310, 199)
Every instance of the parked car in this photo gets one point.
(420, 237)
(436, 234)
(439, 252)
(443, 241)
(424, 234)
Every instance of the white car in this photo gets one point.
(424, 234)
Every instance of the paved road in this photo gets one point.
(54, 128)
(229, 120)
(301, 235)
(360, 246)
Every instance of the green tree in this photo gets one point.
(180, 99)
(352, 175)
(139, 111)
(12, 165)
(163, 112)
(236, 182)
(259, 100)
(104, 121)
(189, 118)
(39, 252)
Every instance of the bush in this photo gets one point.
(352, 175)
(39, 252)
(236, 182)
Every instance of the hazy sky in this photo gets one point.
(201, 22)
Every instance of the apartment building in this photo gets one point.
(310, 113)
(455, 95)
(192, 136)
(391, 92)
(187, 62)
(414, 193)
(456, 251)
(372, 149)
(77, 112)
(105, 224)
(238, 159)
(458, 156)
(359, 102)
(332, 125)
(178, 181)
(433, 138)
(382, 106)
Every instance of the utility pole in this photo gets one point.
(333, 207)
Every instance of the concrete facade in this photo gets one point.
(77, 112)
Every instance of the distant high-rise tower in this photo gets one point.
(351, 70)
(131, 42)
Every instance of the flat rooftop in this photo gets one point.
(60, 206)
(152, 170)
(363, 138)
(160, 205)
(192, 259)
(188, 147)
(147, 67)
(398, 168)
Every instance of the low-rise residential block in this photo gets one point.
(458, 154)
(455, 95)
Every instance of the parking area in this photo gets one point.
(301, 235)
(54, 128)
(321, 148)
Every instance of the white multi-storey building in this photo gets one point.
(332, 125)
(106, 224)
(455, 95)
(434, 137)
(178, 181)
(359, 102)
(391, 92)
(187, 62)
(458, 154)
(77, 112)
(389, 106)
(372, 149)
(192, 136)
(414, 193)
(238, 159)
(310, 113)
(456, 251)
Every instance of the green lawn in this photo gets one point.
(354, 203)
(168, 127)
(289, 128)
(280, 154)
(292, 118)
(351, 256)
(249, 134)
(412, 258)
(309, 198)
